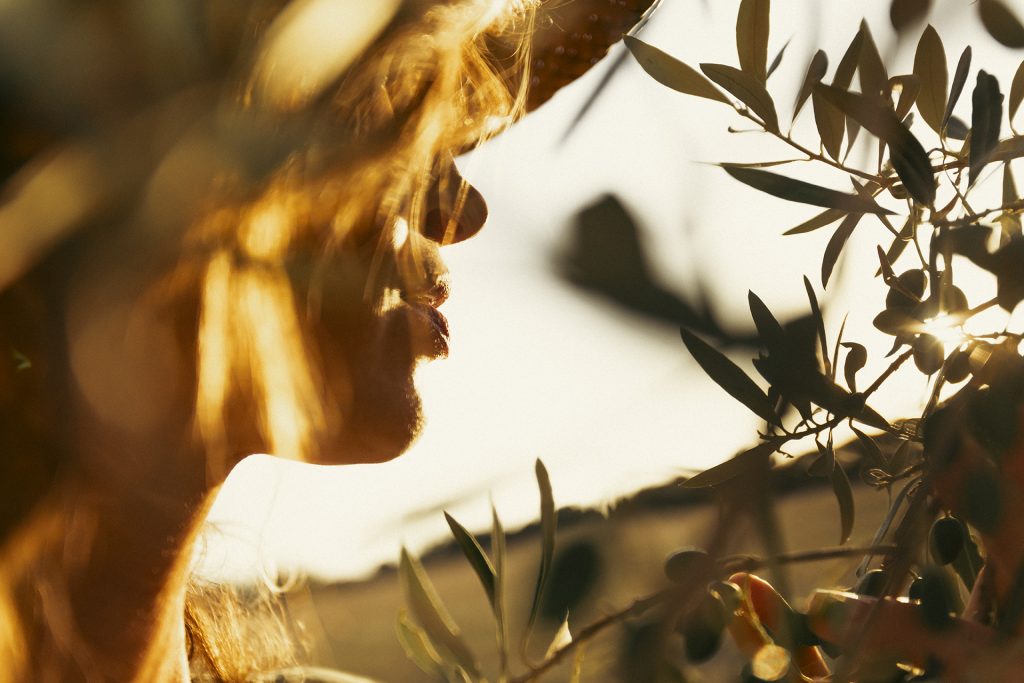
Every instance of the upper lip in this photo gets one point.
(432, 295)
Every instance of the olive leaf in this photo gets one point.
(909, 87)
(986, 121)
(848, 64)
(671, 72)
(824, 463)
(749, 461)
(747, 89)
(498, 543)
(752, 26)
(1016, 92)
(871, 450)
(835, 245)
(417, 647)
(548, 523)
(963, 67)
(873, 77)
(908, 156)
(476, 556)
(856, 358)
(819, 323)
(826, 217)
(777, 61)
(844, 496)
(905, 13)
(930, 67)
(899, 243)
(727, 375)
(1001, 23)
(803, 192)
(815, 72)
(831, 125)
(1009, 221)
(430, 612)
(769, 331)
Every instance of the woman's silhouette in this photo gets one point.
(221, 228)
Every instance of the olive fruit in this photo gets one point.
(913, 282)
(946, 539)
(958, 367)
(937, 595)
(872, 583)
(702, 630)
(688, 564)
(928, 353)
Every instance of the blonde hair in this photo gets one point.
(428, 86)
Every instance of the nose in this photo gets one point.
(456, 211)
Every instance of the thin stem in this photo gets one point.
(638, 607)
(747, 563)
(803, 150)
(893, 367)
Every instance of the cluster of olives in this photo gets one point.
(907, 309)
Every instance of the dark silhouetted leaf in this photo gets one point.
(905, 13)
(548, 523)
(930, 67)
(1012, 148)
(836, 244)
(856, 358)
(908, 156)
(498, 544)
(805, 193)
(1001, 23)
(824, 463)
(431, 613)
(1009, 221)
(848, 64)
(963, 67)
(956, 129)
(831, 125)
(670, 72)
(778, 58)
(819, 324)
(747, 89)
(727, 375)
(574, 574)
(874, 80)
(815, 72)
(824, 218)
(1016, 91)
(749, 461)
(844, 496)
(871, 450)
(475, 554)
(896, 322)
(909, 88)
(769, 331)
(752, 24)
(986, 121)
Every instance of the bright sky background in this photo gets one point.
(609, 401)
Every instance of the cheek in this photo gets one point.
(371, 406)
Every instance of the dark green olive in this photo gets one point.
(872, 583)
(937, 596)
(928, 353)
(916, 589)
(958, 366)
(702, 629)
(895, 321)
(946, 539)
(954, 300)
(913, 282)
(688, 564)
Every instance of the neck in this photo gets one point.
(108, 593)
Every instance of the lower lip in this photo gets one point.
(434, 330)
